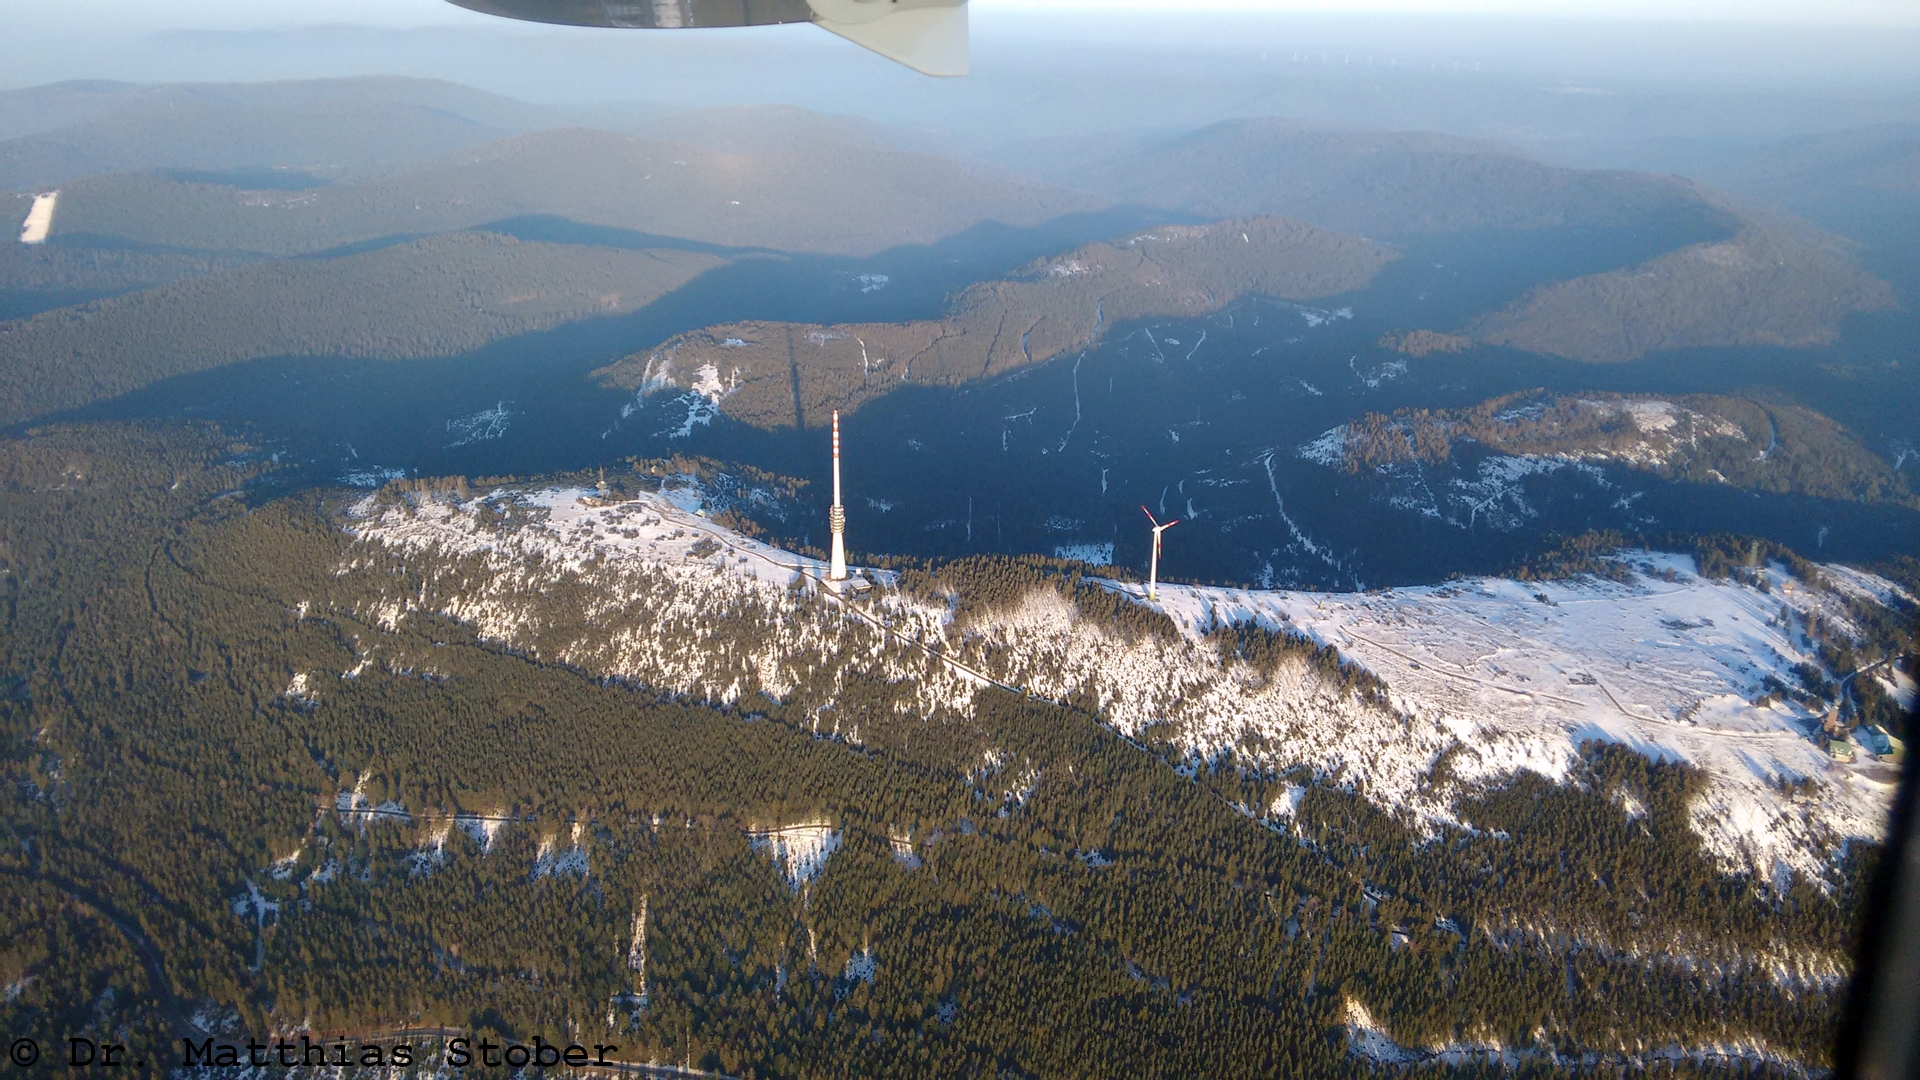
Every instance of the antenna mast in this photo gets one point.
(837, 516)
(1153, 570)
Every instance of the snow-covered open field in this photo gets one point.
(1501, 675)
(1523, 672)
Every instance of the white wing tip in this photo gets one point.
(929, 36)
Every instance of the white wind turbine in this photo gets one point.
(1153, 567)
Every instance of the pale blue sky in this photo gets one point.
(139, 15)
(1807, 12)
(1862, 50)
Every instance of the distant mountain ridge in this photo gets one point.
(1761, 278)
(1384, 184)
(1842, 179)
(839, 198)
(379, 162)
(352, 127)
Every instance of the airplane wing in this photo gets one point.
(929, 36)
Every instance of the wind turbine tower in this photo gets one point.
(837, 516)
(1153, 566)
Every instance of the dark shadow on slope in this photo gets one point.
(555, 229)
(105, 242)
(250, 178)
(909, 282)
(24, 303)
(1463, 275)
(361, 247)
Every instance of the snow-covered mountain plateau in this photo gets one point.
(1484, 677)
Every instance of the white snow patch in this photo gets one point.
(1495, 492)
(432, 850)
(1330, 449)
(707, 384)
(1092, 554)
(1287, 803)
(300, 691)
(800, 851)
(372, 477)
(862, 966)
(283, 869)
(701, 411)
(551, 861)
(1650, 416)
(357, 807)
(483, 426)
(483, 828)
(1901, 687)
(1367, 1038)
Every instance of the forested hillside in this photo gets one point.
(776, 374)
(232, 789)
(1743, 441)
(41, 277)
(437, 297)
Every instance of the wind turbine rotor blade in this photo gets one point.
(1150, 517)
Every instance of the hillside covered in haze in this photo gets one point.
(828, 197)
(322, 129)
(441, 296)
(1708, 270)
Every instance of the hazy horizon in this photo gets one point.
(1616, 92)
